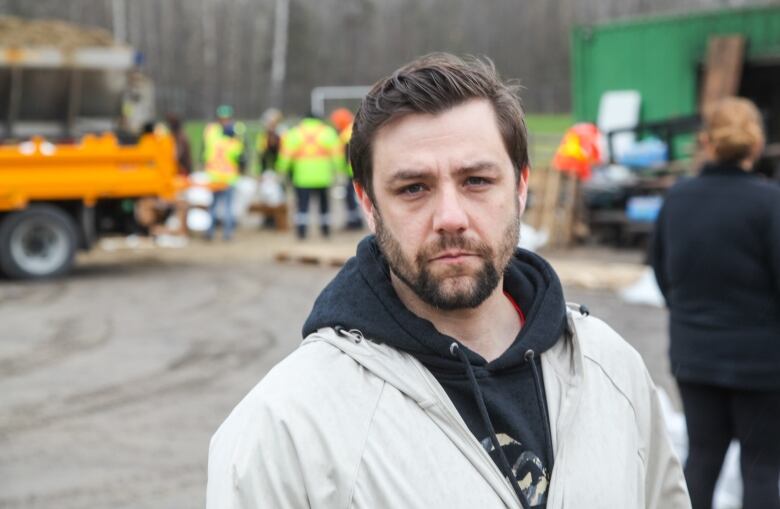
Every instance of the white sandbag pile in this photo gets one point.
(244, 194)
(531, 238)
(270, 190)
(644, 291)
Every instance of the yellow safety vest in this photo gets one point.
(222, 156)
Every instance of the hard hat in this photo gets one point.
(224, 111)
(341, 118)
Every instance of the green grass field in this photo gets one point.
(548, 124)
(545, 133)
(194, 130)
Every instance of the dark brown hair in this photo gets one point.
(432, 84)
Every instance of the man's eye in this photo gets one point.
(412, 189)
(477, 181)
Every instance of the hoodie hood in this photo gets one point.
(362, 297)
(504, 397)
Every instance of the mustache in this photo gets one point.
(454, 241)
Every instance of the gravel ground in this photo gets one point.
(113, 379)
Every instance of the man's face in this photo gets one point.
(447, 205)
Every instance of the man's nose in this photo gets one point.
(449, 216)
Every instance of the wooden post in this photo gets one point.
(550, 204)
(723, 69)
(568, 209)
(536, 185)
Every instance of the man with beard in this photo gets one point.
(442, 367)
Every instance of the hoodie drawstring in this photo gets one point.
(504, 463)
(529, 357)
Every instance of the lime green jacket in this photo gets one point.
(312, 153)
(345, 136)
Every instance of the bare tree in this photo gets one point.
(200, 53)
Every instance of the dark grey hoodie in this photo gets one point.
(502, 402)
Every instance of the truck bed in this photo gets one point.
(96, 168)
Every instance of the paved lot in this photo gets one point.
(113, 380)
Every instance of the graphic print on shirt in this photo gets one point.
(530, 473)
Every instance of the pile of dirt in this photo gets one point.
(18, 32)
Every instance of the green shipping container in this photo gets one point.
(662, 58)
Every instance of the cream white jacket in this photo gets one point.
(344, 422)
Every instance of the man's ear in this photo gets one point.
(522, 187)
(366, 204)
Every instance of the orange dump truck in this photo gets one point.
(55, 199)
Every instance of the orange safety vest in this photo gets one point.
(579, 150)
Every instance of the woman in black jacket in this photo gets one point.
(716, 256)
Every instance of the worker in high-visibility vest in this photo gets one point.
(342, 119)
(312, 154)
(579, 150)
(215, 130)
(268, 140)
(223, 160)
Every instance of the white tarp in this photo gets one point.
(245, 191)
(243, 195)
(644, 291)
(270, 191)
(532, 239)
(618, 109)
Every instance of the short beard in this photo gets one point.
(433, 289)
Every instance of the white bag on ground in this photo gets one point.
(644, 291)
(531, 238)
(198, 220)
(270, 191)
(244, 192)
(199, 197)
(728, 491)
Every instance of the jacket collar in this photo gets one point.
(712, 169)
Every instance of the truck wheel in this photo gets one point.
(37, 242)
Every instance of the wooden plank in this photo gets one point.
(568, 208)
(556, 206)
(550, 203)
(723, 68)
(279, 213)
(536, 186)
(328, 255)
